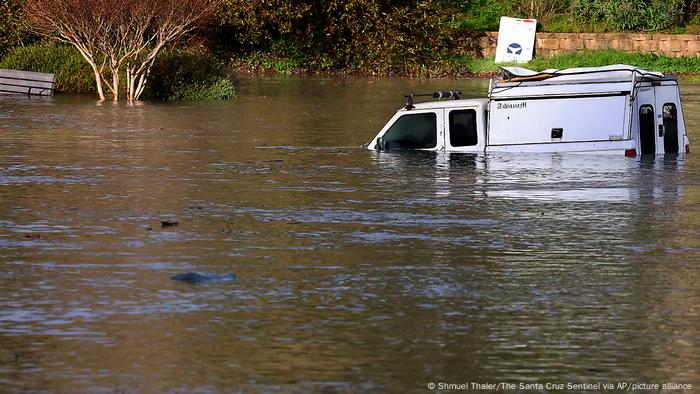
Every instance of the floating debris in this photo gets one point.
(168, 223)
(194, 278)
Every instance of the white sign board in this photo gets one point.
(516, 40)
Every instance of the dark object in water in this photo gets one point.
(168, 223)
(194, 278)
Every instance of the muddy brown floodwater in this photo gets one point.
(356, 271)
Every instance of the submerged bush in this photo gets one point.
(73, 74)
(189, 75)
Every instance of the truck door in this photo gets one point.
(645, 114)
(667, 120)
(464, 130)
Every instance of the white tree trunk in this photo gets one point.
(96, 70)
(98, 81)
(115, 84)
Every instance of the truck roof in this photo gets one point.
(520, 83)
(451, 104)
(612, 73)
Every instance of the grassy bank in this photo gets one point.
(468, 67)
(688, 68)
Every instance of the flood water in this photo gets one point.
(357, 271)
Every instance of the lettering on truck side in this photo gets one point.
(522, 105)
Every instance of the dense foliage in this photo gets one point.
(486, 14)
(630, 15)
(73, 74)
(188, 75)
(583, 15)
(11, 34)
(180, 75)
(355, 35)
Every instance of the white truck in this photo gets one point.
(617, 109)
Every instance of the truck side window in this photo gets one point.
(670, 119)
(463, 128)
(412, 131)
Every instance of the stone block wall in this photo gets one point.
(549, 44)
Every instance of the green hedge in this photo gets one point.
(11, 33)
(366, 36)
(73, 74)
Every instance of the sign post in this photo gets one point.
(516, 40)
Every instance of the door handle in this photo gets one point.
(661, 130)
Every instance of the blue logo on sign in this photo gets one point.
(514, 48)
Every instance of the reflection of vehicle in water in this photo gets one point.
(538, 178)
(613, 109)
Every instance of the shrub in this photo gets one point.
(175, 75)
(483, 15)
(73, 74)
(630, 15)
(11, 33)
(189, 75)
(355, 35)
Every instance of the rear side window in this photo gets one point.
(412, 131)
(463, 128)
(670, 119)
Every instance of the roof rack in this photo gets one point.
(437, 95)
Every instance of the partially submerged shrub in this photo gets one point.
(73, 75)
(189, 75)
(177, 75)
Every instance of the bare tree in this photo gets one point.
(540, 9)
(116, 36)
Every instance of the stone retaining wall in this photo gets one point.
(548, 44)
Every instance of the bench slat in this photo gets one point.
(8, 89)
(22, 82)
(28, 75)
(26, 82)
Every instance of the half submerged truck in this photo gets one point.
(617, 109)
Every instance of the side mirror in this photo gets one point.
(381, 144)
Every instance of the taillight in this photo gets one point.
(633, 152)
(687, 148)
